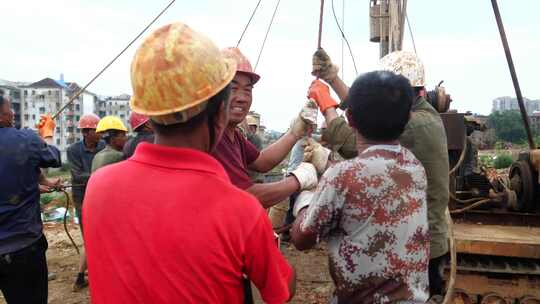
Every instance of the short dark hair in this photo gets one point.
(380, 103)
(210, 113)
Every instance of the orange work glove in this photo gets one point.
(46, 126)
(320, 92)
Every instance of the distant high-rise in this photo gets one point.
(507, 103)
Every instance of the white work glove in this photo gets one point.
(323, 66)
(306, 174)
(302, 201)
(316, 154)
(306, 118)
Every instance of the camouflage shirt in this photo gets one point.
(372, 212)
(425, 136)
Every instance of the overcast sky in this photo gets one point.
(457, 40)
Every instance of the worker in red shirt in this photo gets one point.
(238, 155)
(184, 232)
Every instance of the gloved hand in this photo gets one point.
(316, 154)
(302, 201)
(46, 126)
(306, 174)
(320, 93)
(323, 66)
(307, 117)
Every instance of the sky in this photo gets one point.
(457, 40)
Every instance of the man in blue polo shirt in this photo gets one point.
(23, 267)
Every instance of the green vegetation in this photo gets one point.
(508, 126)
(502, 161)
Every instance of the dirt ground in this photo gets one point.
(313, 286)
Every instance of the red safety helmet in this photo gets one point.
(88, 121)
(136, 120)
(242, 63)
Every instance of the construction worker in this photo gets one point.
(140, 124)
(184, 232)
(238, 155)
(424, 135)
(80, 156)
(371, 210)
(113, 131)
(253, 129)
(23, 267)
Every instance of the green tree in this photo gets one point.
(508, 126)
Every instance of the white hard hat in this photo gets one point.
(406, 64)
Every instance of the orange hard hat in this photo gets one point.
(242, 63)
(88, 121)
(174, 73)
(136, 120)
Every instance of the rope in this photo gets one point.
(65, 221)
(266, 36)
(112, 61)
(344, 38)
(477, 204)
(321, 16)
(410, 32)
(248, 23)
(453, 260)
(343, 41)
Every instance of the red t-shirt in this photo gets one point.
(167, 226)
(235, 156)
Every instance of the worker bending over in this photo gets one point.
(371, 209)
(80, 156)
(113, 131)
(424, 135)
(238, 155)
(23, 267)
(185, 233)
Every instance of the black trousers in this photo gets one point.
(23, 274)
(436, 280)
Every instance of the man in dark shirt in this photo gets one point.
(80, 156)
(140, 124)
(23, 267)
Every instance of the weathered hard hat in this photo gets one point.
(136, 120)
(174, 73)
(251, 121)
(88, 121)
(242, 63)
(109, 123)
(406, 64)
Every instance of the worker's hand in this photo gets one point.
(46, 126)
(316, 154)
(307, 118)
(323, 66)
(302, 201)
(320, 93)
(306, 174)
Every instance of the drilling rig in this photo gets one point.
(496, 230)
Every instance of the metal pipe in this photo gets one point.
(522, 109)
(320, 25)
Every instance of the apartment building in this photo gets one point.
(507, 103)
(114, 105)
(12, 89)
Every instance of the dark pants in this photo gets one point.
(436, 281)
(23, 274)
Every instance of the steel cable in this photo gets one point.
(248, 23)
(344, 38)
(266, 36)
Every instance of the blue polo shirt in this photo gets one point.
(22, 154)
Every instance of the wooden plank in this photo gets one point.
(497, 240)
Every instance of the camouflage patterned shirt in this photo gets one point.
(371, 210)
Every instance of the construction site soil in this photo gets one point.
(313, 285)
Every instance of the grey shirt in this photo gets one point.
(80, 158)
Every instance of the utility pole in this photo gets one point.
(387, 19)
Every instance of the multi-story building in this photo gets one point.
(507, 103)
(12, 89)
(48, 96)
(114, 105)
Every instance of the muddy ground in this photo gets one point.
(313, 285)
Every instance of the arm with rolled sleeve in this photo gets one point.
(265, 265)
(317, 220)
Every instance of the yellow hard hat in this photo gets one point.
(174, 73)
(406, 64)
(109, 123)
